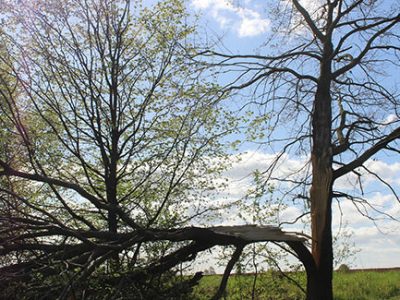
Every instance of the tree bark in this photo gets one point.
(322, 180)
(307, 259)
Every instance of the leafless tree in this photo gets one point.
(330, 79)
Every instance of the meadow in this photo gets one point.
(353, 285)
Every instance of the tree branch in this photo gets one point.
(367, 154)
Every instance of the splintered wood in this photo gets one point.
(254, 233)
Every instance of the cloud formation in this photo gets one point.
(366, 234)
(246, 22)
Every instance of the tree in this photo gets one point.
(326, 78)
(116, 138)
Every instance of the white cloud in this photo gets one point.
(391, 118)
(311, 5)
(290, 213)
(245, 22)
(366, 235)
(202, 4)
(251, 161)
(388, 172)
(252, 23)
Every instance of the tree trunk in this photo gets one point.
(112, 219)
(112, 201)
(321, 187)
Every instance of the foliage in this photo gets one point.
(118, 132)
(344, 268)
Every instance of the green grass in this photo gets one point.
(368, 285)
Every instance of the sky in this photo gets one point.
(242, 26)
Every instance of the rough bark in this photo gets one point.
(307, 260)
(321, 186)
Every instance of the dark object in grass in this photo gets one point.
(344, 268)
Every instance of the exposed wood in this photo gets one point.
(253, 233)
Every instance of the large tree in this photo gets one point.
(327, 73)
(113, 137)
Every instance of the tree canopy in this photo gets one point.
(116, 137)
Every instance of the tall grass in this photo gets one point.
(369, 285)
(360, 285)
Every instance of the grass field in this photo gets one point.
(360, 285)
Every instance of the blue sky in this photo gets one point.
(242, 26)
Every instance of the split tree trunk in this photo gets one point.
(321, 187)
